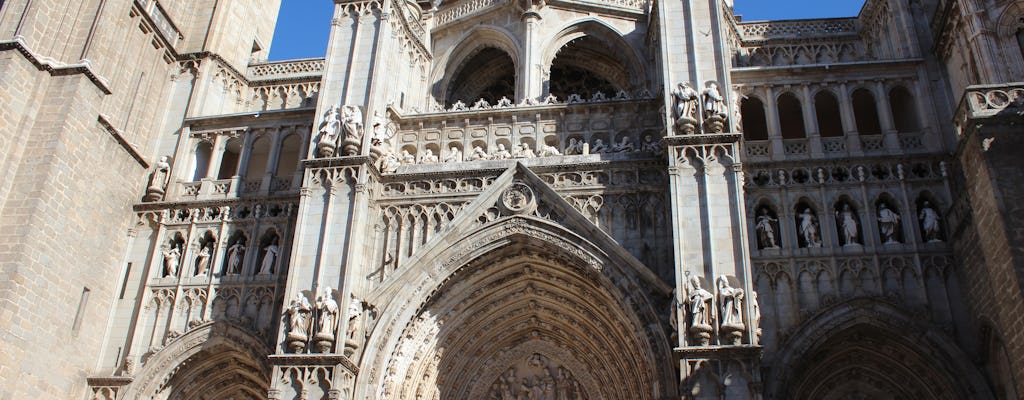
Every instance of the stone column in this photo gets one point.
(778, 149)
(217, 157)
(530, 86)
(811, 123)
(853, 145)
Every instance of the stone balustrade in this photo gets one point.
(986, 101)
(794, 29)
(834, 147)
(290, 69)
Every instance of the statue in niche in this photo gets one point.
(355, 323)
(327, 320)
(575, 147)
(454, 155)
(755, 313)
(765, 227)
(299, 313)
(548, 151)
(847, 222)
(479, 154)
(598, 147)
(649, 145)
(501, 153)
(172, 259)
(731, 301)
(203, 260)
(930, 227)
(428, 157)
(624, 146)
(236, 253)
(715, 110)
(158, 180)
(388, 161)
(809, 228)
(352, 125)
(686, 107)
(406, 158)
(269, 257)
(701, 302)
(524, 151)
(888, 224)
(327, 138)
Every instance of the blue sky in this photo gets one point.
(303, 25)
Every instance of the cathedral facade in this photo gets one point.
(512, 200)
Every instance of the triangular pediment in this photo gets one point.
(519, 203)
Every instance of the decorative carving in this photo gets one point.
(731, 301)
(700, 303)
(327, 139)
(299, 315)
(518, 198)
(352, 125)
(158, 180)
(715, 110)
(536, 379)
(354, 330)
(687, 106)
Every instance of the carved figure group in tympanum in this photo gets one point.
(537, 378)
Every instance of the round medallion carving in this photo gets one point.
(518, 198)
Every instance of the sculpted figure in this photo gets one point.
(575, 147)
(548, 151)
(501, 153)
(269, 256)
(700, 303)
(172, 258)
(454, 155)
(755, 313)
(626, 145)
(731, 301)
(599, 147)
(714, 103)
(930, 223)
(888, 224)
(407, 158)
(236, 254)
(428, 157)
(203, 261)
(650, 146)
(848, 229)
(686, 101)
(352, 122)
(158, 180)
(355, 321)
(330, 126)
(388, 162)
(327, 309)
(479, 154)
(525, 151)
(298, 317)
(809, 228)
(766, 229)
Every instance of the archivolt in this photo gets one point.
(469, 45)
(509, 299)
(216, 361)
(618, 62)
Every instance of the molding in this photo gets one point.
(54, 67)
(119, 137)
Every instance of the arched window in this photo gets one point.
(489, 74)
(904, 112)
(866, 113)
(755, 127)
(288, 155)
(586, 66)
(258, 157)
(826, 109)
(201, 161)
(229, 161)
(791, 117)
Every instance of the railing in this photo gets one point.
(986, 101)
(291, 69)
(798, 28)
(834, 145)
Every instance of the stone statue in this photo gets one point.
(575, 147)
(158, 180)
(930, 227)
(203, 261)
(888, 224)
(714, 103)
(649, 145)
(847, 221)
(701, 302)
(525, 151)
(172, 258)
(548, 151)
(269, 257)
(766, 230)
(407, 158)
(624, 146)
(730, 300)
(299, 313)
(501, 153)
(330, 126)
(809, 228)
(327, 320)
(599, 147)
(686, 107)
(236, 253)
(479, 154)
(454, 155)
(355, 322)
(352, 122)
(428, 157)
(755, 313)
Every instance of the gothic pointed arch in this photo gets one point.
(589, 56)
(513, 289)
(218, 360)
(482, 64)
(869, 348)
